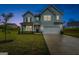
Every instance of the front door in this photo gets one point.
(37, 28)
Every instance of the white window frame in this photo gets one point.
(28, 19)
(57, 17)
(47, 17)
(37, 18)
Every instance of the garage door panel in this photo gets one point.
(47, 30)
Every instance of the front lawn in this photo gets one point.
(27, 44)
(72, 32)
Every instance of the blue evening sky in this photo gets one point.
(69, 10)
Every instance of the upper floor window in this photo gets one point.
(47, 17)
(37, 18)
(28, 19)
(57, 17)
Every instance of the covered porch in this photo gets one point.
(30, 28)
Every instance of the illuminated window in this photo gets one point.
(28, 28)
(57, 17)
(47, 17)
(29, 19)
(37, 18)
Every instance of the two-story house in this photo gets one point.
(48, 21)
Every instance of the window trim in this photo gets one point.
(37, 18)
(57, 17)
(28, 19)
(48, 17)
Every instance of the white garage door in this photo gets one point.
(48, 30)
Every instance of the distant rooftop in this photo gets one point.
(75, 23)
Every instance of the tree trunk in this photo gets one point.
(5, 30)
(22, 29)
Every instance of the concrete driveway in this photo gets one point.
(62, 44)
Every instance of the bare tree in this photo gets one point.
(6, 18)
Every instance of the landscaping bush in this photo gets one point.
(61, 32)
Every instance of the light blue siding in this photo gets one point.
(37, 21)
(48, 23)
(28, 15)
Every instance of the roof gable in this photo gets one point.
(46, 10)
(28, 12)
(51, 10)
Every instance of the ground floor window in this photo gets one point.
(28, 28)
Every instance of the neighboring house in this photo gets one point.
(48, 21)
(13, 25)
(9, 26)
(74, 24)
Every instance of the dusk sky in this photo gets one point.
(70, 11)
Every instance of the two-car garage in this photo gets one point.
(51, 29)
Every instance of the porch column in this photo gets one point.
(22, 29)
(33, 27)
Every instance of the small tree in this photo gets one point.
(6, 18)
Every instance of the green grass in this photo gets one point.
(24, 44)
(71, 29)
(72, 32)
